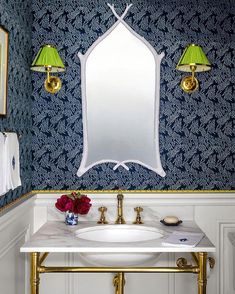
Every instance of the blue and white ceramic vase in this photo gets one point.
(71, 218)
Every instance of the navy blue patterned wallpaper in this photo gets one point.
(197, 131)
(16, 17)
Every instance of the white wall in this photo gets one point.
(214, 213)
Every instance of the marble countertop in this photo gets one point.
(56, 236)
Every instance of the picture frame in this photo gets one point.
(3, 70)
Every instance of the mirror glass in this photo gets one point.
(120, 89)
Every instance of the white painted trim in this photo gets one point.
(69, 279)
(171, 277)
(27, 262)
(156, 199)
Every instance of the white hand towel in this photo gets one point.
(12, 161)
(183, 239)
(3, 189)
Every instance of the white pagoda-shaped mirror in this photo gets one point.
(120, 98)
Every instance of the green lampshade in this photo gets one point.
(48, 57)
(193, 56)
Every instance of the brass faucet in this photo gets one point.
(120, 220)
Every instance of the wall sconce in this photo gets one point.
(193, 60)
(48, 60)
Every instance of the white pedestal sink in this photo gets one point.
(120, 235)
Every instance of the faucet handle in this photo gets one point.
(102, 220)
(138, 217)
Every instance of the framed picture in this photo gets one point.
(3, 70)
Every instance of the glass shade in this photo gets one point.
(48, 57)
(193, 56)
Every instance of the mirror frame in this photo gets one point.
(4, 50)
(83, 59)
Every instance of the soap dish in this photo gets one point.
(171, 224)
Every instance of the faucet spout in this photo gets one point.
(120, 220)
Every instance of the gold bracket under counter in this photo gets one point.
(200, 268)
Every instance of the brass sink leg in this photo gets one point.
(202, 276)
(34, 273)
(119, 282)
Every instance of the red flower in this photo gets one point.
(77, 204)
(82, 205)
(85, 199)
(64, 203)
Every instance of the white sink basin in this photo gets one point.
(119, 233)
(119, 236)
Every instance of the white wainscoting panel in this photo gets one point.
(217, 221)
(230, 282)
(227, 258)
(15, 229)
(56, 283)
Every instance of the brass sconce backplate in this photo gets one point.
(189, 84)
(53, 84)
